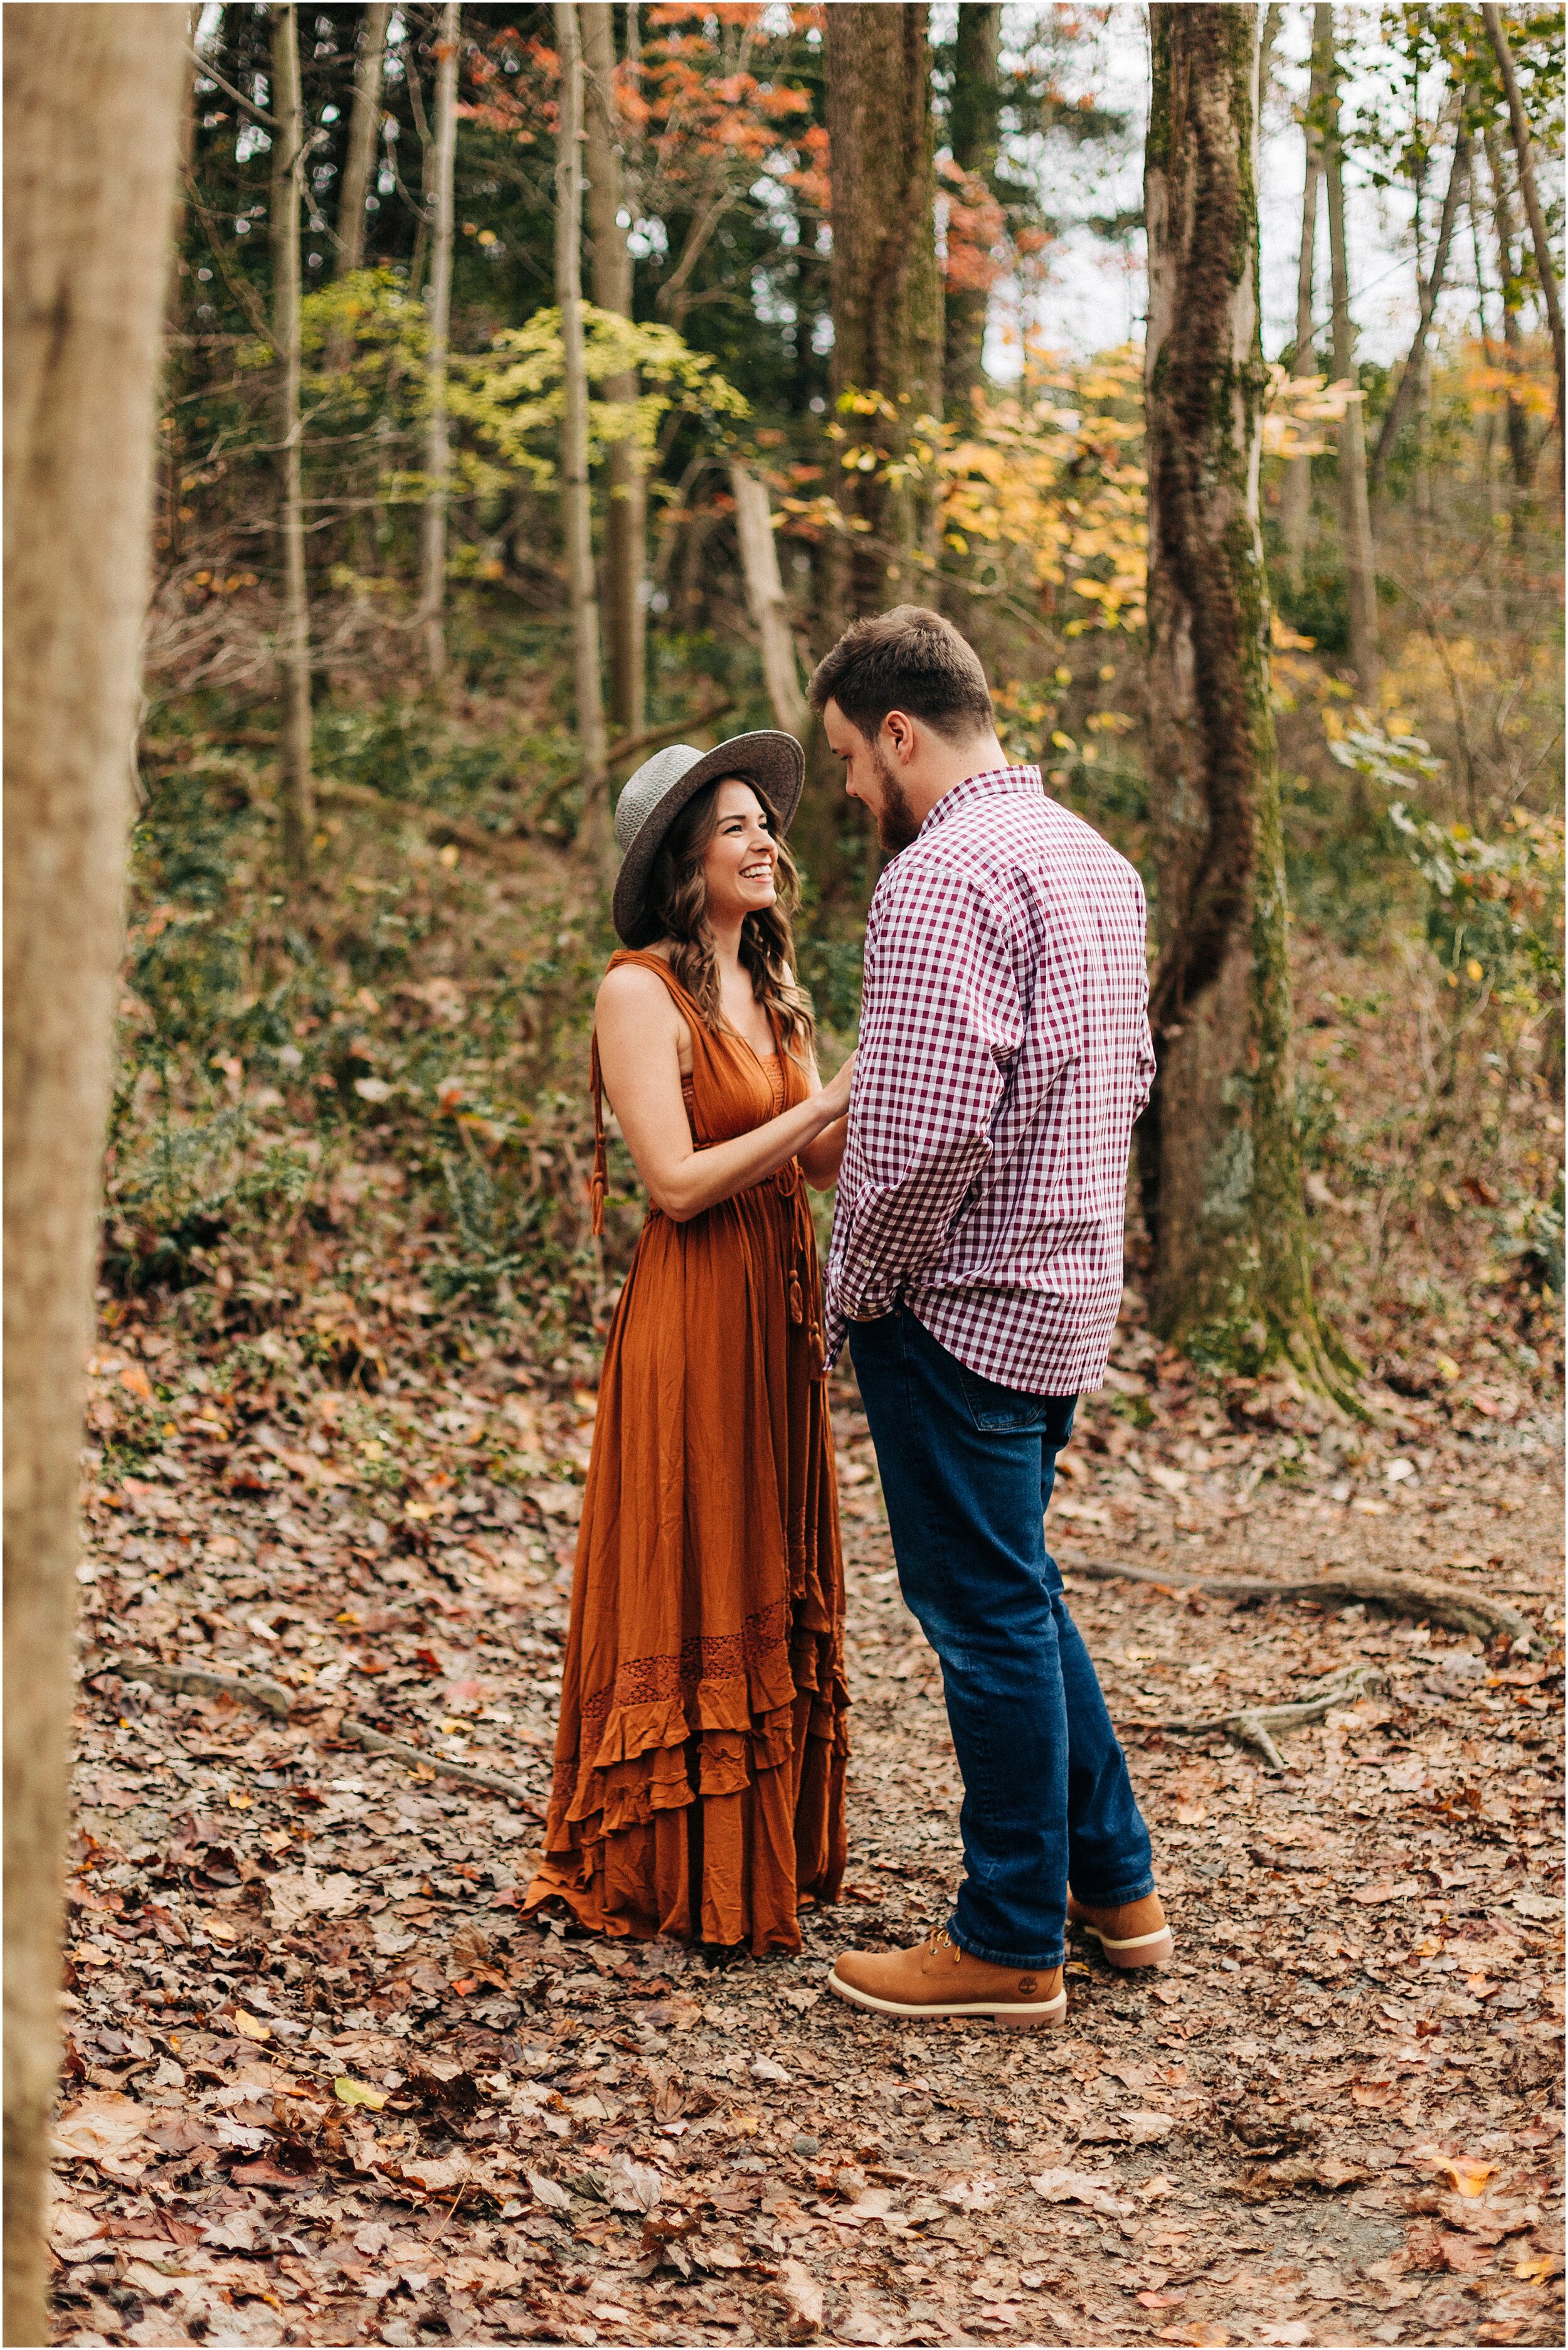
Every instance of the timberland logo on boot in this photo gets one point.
(1027, 1986)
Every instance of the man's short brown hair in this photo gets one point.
(910, 659)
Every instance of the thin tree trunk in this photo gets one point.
(420, 254)
(973, 116)
(1295, 493)
(1219, 1157)
(1524, 159)
(886, 286)
(438, 453)
(1489, 352)
(92, 127)
(765, 597)
(625, 511)
(364, 137)
(1402, 406)
(594, 831)
(296, 789)
(1522, 456)
(1355, 509)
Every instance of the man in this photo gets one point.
(976, 1265)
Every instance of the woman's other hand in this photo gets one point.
(835, 1092)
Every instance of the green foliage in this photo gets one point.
(1494, 911)
(514, 392)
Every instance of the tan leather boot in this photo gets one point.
(1136, 1935)
(939, 1979)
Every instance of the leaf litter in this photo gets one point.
(324, 2084)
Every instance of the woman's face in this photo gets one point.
(740, 861)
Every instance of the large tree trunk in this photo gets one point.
(625, 513)
(765, 598)
(438, 453)
(1355, 507)
(594, 832)
(1524, 158)
(1218, 1154)
(886, 286)
(364, 137)
(92, 105)
(972, 135)
(296, 788)
(1403, 404)
(1295, 493)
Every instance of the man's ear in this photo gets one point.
(903, 742)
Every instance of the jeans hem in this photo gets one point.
(972, 1949)
(1138, 1892)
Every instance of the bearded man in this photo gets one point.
(976, 1268)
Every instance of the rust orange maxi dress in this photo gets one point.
(699, 1785)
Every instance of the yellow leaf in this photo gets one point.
(1469, 2178)
(1535, 2268)
(251, 2027)
(135, 1379)
(357, 2093)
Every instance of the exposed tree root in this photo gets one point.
(1252, 1724)
(1406, 1595)
(271, 1697)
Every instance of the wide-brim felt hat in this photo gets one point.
(772, 762)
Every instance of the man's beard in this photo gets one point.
(897, 823)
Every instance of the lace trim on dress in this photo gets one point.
(650, 1681)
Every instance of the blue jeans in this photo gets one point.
(967, 1469)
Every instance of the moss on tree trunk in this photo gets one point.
(1218, 1153)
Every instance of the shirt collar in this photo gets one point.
(994, 779)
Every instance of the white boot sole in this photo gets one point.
(1014, 2015)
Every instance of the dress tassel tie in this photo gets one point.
(598, 1181)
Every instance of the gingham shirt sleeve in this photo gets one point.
(940, 1021)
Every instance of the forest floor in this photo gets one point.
(325, 2086)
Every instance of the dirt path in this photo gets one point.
(325, 2087)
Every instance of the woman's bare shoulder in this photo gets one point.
(633, 987)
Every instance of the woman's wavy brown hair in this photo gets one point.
(678, 899)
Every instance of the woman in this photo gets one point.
(699, 1787)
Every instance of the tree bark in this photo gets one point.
(594, 831)
(1401, 405)
(887, 288)
(765, 597)
(1522, 456)
(972, 136)
(1295, 493)
(1354, 508)
(364, 137)
(437, 453)
(92, 127)
(1524, 159)
(296, 790)
(625, 510)
(1218, 1159)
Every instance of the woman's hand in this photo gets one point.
(821, 1161)
(835, 1093)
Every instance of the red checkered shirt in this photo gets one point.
(1004, 1054)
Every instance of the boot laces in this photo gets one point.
(939, 1942)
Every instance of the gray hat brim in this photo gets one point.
(773, 763)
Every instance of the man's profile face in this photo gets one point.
(870, 777)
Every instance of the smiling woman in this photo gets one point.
(700, 1759)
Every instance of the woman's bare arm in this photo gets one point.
(641, 1034)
